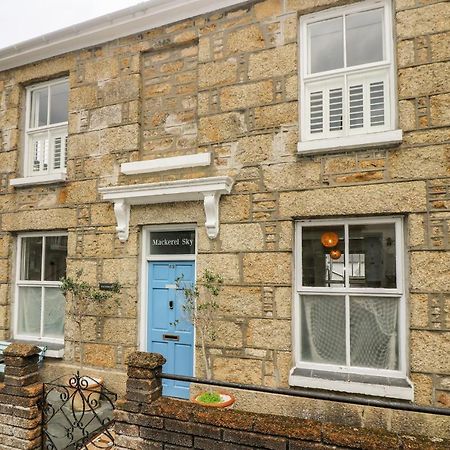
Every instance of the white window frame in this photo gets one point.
(30, 283)
(388, 134)
(399, 291)
(52, 130)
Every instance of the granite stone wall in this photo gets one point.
(227, 83)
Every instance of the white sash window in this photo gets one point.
(46, 128)
(350, 321)
(40, 305)
(347, 77)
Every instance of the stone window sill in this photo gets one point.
(379, 386)
(38, 179)
(384, 138)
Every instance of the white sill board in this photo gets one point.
(383, 138)
(163, 164)
(352, 387)
(38, 179)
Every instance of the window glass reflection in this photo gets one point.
(323, 265)
(372, 256)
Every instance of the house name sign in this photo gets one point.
(172, 242)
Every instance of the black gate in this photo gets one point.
(77, 413)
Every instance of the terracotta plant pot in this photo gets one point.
(226, 400)
(90, 388)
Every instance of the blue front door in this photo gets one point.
(169, 331)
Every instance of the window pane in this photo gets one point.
(323, 329)
(364, 35)
(29, 314)
(58, 102)
(39, 107)
(323, 256)
(55, 257)
(326, 45)
(54, 304)
(374, 332)
(31, 258)
(372, 256)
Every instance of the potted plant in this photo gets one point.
(201, 309)
(79, 295)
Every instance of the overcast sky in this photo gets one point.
(21, 20)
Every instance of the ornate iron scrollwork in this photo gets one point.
(77, 411)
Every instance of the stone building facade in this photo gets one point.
(223, 90)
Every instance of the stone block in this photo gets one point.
(283, 302)
(234, 208)
(82, 192)
(269, 334)
(227, 335)
(276, 115)
(439, 109)
(121, 270)
(96, 69)
(407, 115)
(423, 388)
(108, 116)
(245, 39)
(186, 212)
(246, 95)
(423, 162)
(224, 264)
(102, 214)
(241, 237)
(39, 219)
(120, 331)
(119, 89)
(418, 306)
(276, 62)
(429, 352)
(3, 294)
(306, 6)
(423, 80)
(8, 161)
(84, 144)
(425, 20)
(267, 9)
(405, 52)
(429, 271)
(257, 148)
(221, 127)
(119, 139)
(84, 97)
(416, 230)
(293, 175)
(100, 355)
(237, 370)
(240, 301)
(272, 268)
(440, 46)
(373, 199)
(5, 242)
(217, 73)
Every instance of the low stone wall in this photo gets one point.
(145, 420)
(20, 395)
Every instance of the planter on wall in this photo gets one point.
(225, 399)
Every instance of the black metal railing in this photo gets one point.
(316, 395)
(77, 411)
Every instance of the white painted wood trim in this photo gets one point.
(38, 179)
(162, 164)
(348, 142)
(143, 16)
(352, 387)
(207, 189)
